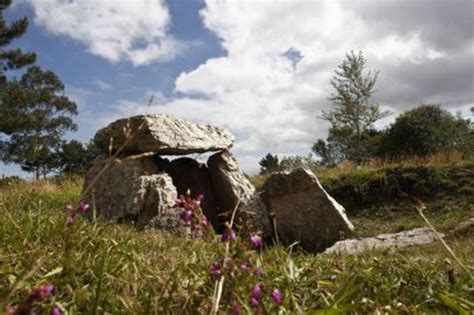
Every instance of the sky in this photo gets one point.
(261, 69)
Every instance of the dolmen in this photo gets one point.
(152, 167)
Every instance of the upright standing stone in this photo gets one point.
(303, 211)
(132, 190)
(232, 188)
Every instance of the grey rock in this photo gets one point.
(133, 190)
(163, 135)
(232, 189)
(463, 228)
(409, 238)
(303, 211)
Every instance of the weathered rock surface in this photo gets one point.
(163, 135)
(463, 228)
(133, 190)
(233, 189)
(303, 211)
(187, 173)
(413, 237)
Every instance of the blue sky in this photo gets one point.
(258, 68)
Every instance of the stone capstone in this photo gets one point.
(161, 134)
(303, 211)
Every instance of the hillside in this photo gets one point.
(111, 268)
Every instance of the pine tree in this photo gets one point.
(352, 108)
(12, 58)
(46, 114)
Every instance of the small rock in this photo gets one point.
(413, 237)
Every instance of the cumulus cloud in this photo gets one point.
(273, 80)
(271, 100)
(134, 30)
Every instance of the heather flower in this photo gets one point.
(277, 296)
(244, 267)
(56, 311)
(186, 217)
(256, 241)
(178, 203)
(69, 208)
(70, 220)
(215, 270)
(255, 302)
(258, 271)
(235, 309)
(48, 289)
(83, 207)
(229, 235)
(256, 292)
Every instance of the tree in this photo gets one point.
(269, 164)
(46, 114)
(353, 114)
(74, 158)
(425, 130)
(12, 58)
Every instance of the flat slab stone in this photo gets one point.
(413, 237)
(162, 134)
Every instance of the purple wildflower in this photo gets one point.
(277, 296)
(48, 289)
(70, 220)
(258, 271)
(83, 207)
(244, 267)
(256, 291)
(255, 302)
(56, 311)
(178, 203)
(69, 208)
(229, 235)
(215, 270)
(235, 309)
(186, 217)
(256, 241)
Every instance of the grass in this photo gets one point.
(99, 267)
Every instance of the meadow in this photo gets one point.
(107, 268)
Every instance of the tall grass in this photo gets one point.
(115, 269)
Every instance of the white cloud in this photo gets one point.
(104, 86)
(256, 91)
(271, 103)
(134, 30)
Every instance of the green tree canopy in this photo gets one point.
(269, 163)
(425, 130)
(12, 58)
(44, 113)
(74, 158)
(353, 113)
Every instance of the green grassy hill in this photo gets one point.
(99, 267)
